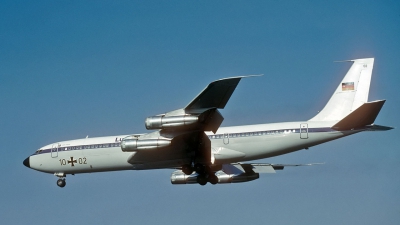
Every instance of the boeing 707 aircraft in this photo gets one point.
(191, 141)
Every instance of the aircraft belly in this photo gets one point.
(108, 161)
(259, 147)
(160, 158)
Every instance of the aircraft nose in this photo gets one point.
(26, 162)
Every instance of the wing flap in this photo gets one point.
(249, 168)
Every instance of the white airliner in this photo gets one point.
(190, 140)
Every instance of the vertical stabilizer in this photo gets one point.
(351, 93)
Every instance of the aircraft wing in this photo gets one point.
(180, 133)
(238, 168)
(202, 112)
(216, 94)
(233, 173)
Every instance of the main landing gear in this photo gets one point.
(187, 169)
(205, 174)
(61, 181)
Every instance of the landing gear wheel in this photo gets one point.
(187, 169)
(199, 168)
(61, 182)
(213, 179)
(202, 180)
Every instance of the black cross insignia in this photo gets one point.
(72, 161)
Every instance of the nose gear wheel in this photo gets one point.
(61, 183)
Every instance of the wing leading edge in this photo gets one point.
(216, 94)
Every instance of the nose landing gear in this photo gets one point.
(61, 181)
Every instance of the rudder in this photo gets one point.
(351, 93)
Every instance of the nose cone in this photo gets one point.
(26, 163)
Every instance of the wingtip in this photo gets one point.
(340, 61)
(312, 164)
(243, 76)
(354, 60)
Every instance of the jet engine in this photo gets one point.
(178, 177)
(160, 122)
(129, 145)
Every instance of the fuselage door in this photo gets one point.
(303, 130)
(54, 151)
(226, 138)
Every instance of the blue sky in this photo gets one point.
(74, 68)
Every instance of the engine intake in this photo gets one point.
(129, 145)
(160, 122)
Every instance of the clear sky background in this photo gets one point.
(74, 68)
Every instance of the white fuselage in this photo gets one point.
(229, 144)
(182, 138)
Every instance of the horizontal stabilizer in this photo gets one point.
(361, 117)
(378, 128)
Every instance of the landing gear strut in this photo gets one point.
(199, 168)
(205, 173)
(61, 182)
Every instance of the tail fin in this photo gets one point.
(351, 93)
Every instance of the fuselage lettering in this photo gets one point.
(73, 161)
